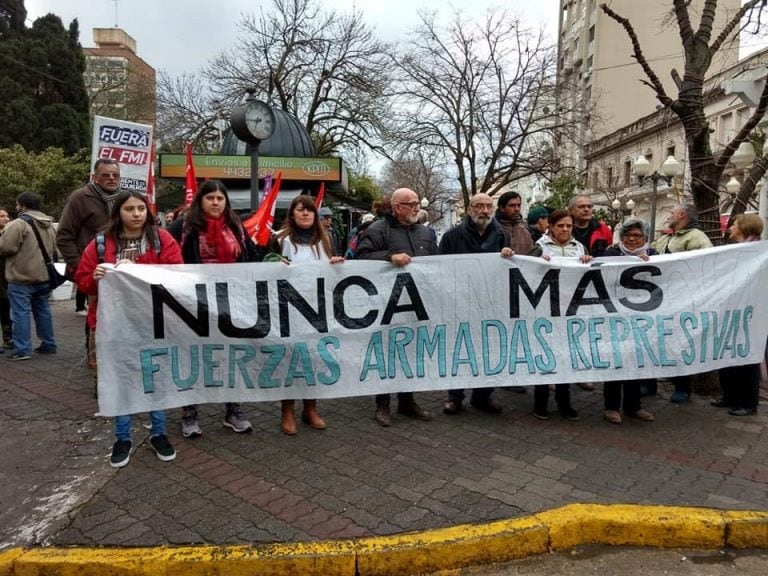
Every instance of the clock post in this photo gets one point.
(253, 121)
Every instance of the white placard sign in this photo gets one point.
(168, 336)
(127, 143)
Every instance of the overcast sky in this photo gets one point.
(181, 35)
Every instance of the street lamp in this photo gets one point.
(424, 203)
(669, 169)
(628, 207)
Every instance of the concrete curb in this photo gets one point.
(418, 552)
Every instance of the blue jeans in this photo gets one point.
(26, 298)
(123, 425)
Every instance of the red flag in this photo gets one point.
(320, 196)
(259, 225)
(190, 189)
(151, 182)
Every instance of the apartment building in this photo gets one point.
(596, 67)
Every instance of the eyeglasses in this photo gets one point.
(482, 206)
(411, 205)
(110, 175)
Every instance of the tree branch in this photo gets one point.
(656, 84)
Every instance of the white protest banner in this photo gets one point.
(169, 336)
(127, 143)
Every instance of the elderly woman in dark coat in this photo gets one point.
(633, 241)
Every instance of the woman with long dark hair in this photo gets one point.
(210, 232)
(131, 235)
(303, 239)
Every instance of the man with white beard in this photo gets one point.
(478, 233)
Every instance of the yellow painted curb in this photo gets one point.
(418, 552)
(747, 529)
(657, 526)
(316, 558)
(449, 548)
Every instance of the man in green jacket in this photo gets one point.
(27, 276)
(683, 235)
(683, 232)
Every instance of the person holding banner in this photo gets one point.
(131, 236)
(303, 238)
(741, 384)
(478, 233)
(682, 235)
(210, 232)
(557, 242)
(397, 238)
(633, 241)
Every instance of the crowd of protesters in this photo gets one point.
(101, 224)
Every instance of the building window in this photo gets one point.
(627, 172)
(595, 180)
(725, 128)
(589, 63)
(592, 33)
(609, 177)
(670, 151)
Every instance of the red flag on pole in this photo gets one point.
(259, 225)
(320, 196)
(151, 182)
(190, 189)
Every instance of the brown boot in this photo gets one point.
(311, 417)
(288, 423)
(383, 415)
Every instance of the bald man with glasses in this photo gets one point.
(398, 238)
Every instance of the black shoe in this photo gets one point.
(720, 403)
(45, 350)
(541, 414)
(452, 407)
(488, 406)
(568, 413)
(121, 453)
(743, 412)
(413, 410)
(162, 448)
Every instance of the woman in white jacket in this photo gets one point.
(559, 240)
(303, 239)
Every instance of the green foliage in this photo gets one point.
(561, 190)
(43, 101)
(364, 186)
(50, 173)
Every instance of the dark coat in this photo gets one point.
(465, 239)
(387, 236)
(190, 243)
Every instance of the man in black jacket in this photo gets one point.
(397, 238)
(478, 233)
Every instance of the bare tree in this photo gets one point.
(482, 96)
(699, 46)
(186, 111)
(419, 171)
(122, 92)
(327, 69)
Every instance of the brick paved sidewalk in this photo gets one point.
(352, 479)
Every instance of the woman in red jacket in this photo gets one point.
(131, 236)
